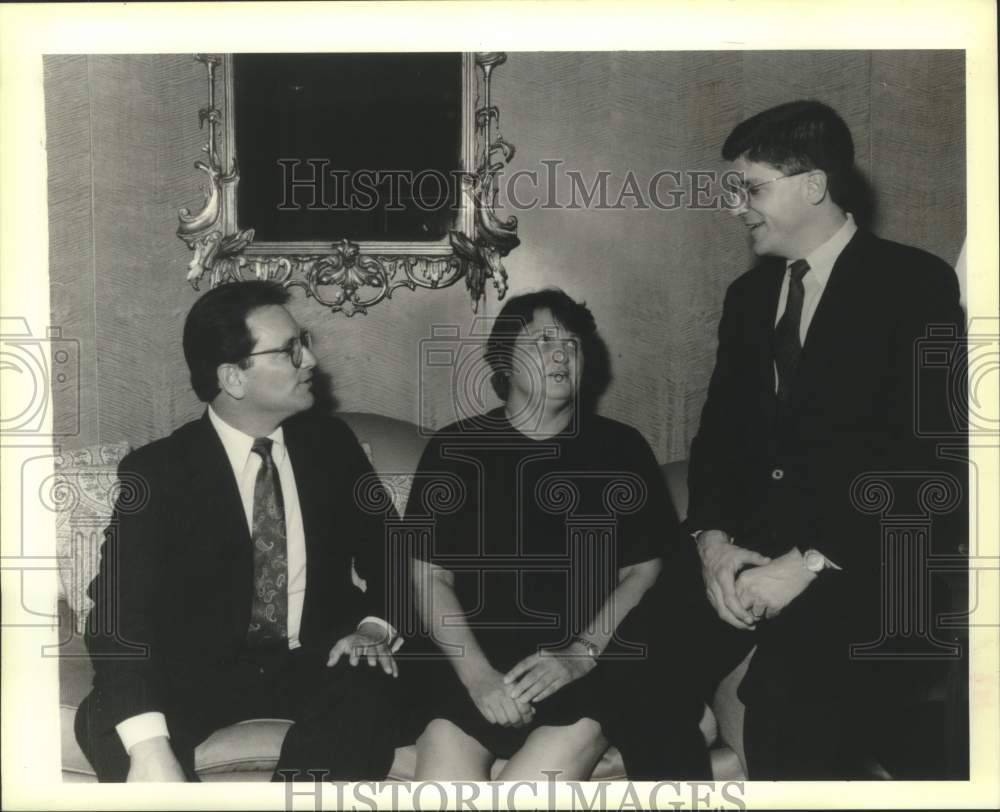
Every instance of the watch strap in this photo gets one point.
(591, 648)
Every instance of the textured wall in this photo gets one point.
(120, 153)
(122, 136)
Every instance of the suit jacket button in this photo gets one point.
(777, 474)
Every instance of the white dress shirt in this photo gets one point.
(245, 465)
(821, 263)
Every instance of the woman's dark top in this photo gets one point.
(535, 532)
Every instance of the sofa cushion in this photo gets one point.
(729, 710)
(675, 474)
(393, 448)
(249, 746)
(396, 445)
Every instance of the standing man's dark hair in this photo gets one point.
(813, 391)
(216, 332)
(796, 137)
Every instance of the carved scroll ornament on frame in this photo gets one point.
(345, 256)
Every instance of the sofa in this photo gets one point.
(248, 751)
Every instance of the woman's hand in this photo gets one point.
(539, 676)
(489, 693)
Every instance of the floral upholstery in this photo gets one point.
(397, 484)
(86, 487)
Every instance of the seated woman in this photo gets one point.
(549, 523)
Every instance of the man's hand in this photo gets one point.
(540, 675)
(371, 641)
(154, 760)
(489, 694)
(721, 560)
(770, 588)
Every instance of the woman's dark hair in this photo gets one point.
(216, 332)
(574, 316)
(796, 137)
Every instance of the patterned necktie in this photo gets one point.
(269, 616)
(787, 346)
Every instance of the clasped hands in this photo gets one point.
(509, 699)
(744, 586)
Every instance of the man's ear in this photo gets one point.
(232, 380)
(816, 186)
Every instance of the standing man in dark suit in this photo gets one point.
(225, 587)
(814, 384)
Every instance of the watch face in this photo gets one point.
(814, 561)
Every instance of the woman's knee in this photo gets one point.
(583, 736)
(586, 733)
(572, 750)
(445, 751)
(441, 733)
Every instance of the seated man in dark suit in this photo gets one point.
(225, 588)
(814, 386)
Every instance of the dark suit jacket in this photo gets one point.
(779, 482)
(174, 589)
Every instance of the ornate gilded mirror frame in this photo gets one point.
(340, 274)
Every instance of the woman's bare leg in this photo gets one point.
(573, 750)
(445, 752)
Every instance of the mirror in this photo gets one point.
(351, 175)
(367, 146)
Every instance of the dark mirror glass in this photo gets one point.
(359, 146)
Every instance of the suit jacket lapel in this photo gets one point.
(219, 511)
(765, 311)
(317, 501)
(314, 491)
(832, 316)
(214, 485)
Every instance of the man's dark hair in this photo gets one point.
(797, 137)
(216, 332)
(574, 316)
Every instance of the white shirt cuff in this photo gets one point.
(141, 727)
(389, 628)
(695, 533)
(829, 564)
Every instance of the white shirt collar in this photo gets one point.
(822, 259)
(238, 445)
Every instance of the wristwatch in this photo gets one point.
(814, 560)
(592, 651)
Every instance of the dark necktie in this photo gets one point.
(787, 346)
(269, 616)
